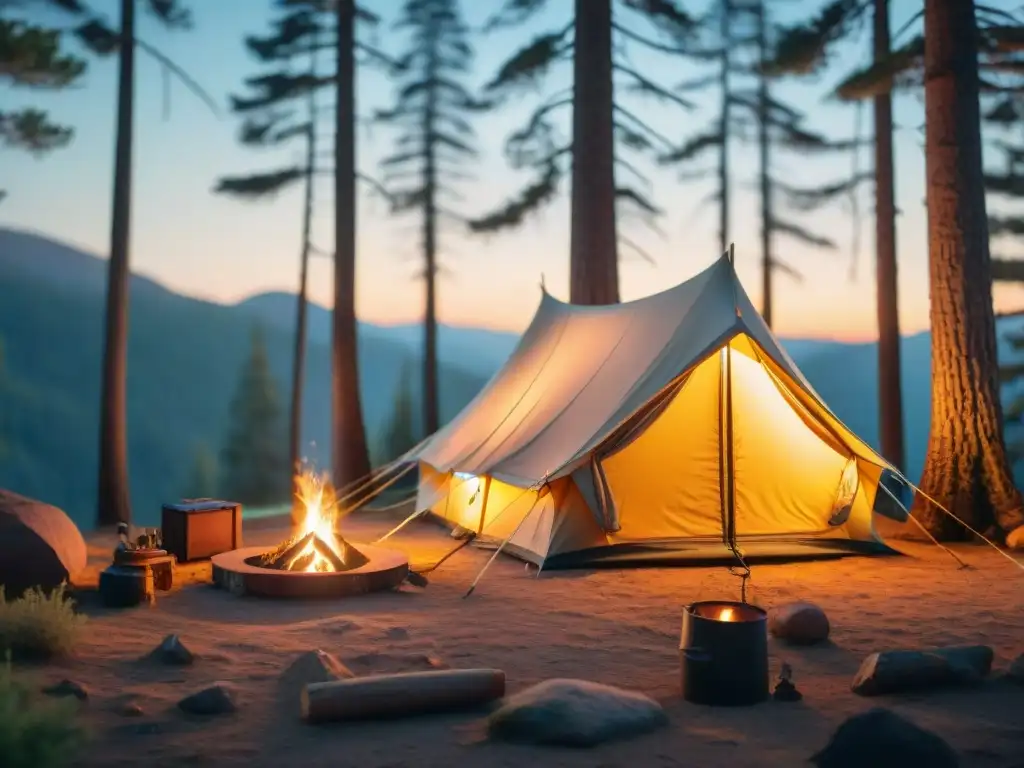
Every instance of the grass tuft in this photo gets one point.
(39, 625)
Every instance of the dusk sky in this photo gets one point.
(222, 249)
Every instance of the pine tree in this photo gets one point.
(32, 56)
(740, 41)
(113, 498)
(254, 460)
(277, 129)
(203, 483)
(400, 433)
(305, 26)
(966, 466)
(600, 122)
(435, 140)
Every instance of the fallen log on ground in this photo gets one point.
(401, 695)
(899, 671)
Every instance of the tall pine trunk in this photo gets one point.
(113, 499)
(725, 33)
(966, 466)
(593, 249)
(302, 304)
(350, 459)
(890, 397)
(431, 407)
(764, 147)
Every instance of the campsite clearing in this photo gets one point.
(619, 627)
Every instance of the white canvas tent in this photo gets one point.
(663, 429)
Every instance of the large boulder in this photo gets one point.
(39, 545)
(575, 713)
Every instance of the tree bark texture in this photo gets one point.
(764, 149)
(966, 466)
(113, 504)
(593, 248)
(349, 456)
(890, 393)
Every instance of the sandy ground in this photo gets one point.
(615, 627)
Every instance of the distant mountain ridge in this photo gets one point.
(184, 355)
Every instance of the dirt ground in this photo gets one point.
(616, 627)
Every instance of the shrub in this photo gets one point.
(35, 732)
(38, 625)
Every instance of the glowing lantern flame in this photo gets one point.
(727, 614)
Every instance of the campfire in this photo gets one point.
(317, 546)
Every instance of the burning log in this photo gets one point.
(401, 695)
(351, 556)
(328, 554)
(281, 561)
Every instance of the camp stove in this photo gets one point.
(140, 568)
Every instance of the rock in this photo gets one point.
(311, 667)
(575, 713)
(218, 699)
(1015, 539)
(396, 633)
(880, 738)
(899, 671)
(799, 623)
(67, 688)
(1016, 670)
(39, 545)
(131, 709)
(173, 652)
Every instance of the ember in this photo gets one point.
(317, 547)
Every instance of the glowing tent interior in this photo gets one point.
(665, 430)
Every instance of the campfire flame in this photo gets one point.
(316, 546)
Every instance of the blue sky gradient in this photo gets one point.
(222, 249)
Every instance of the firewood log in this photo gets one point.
(328, 554)
(401, 695)
(282, 560)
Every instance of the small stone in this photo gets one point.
(799, 623)
(173, 652)
(1015, 539)
(315, 666)
(217, 699)
(1016, 670)
(880, 738)
(397, 633)
(67, 688)
(900, 671)
(575, 713)
(131, 709)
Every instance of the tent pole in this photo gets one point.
(483, 504)
(732, 254)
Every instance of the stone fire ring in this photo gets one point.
(233, 571)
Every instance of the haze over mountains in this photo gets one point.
(185, 354)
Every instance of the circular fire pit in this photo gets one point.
(242, 572)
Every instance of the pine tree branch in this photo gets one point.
(641, 201)
(692, 149)
(260, 186)
(635, 248)
(803, 49)
(30, 56)
(666, 16)
(809, 199)
(529, 64)
(1005, 226)
(884, 75)
(653, 45)
(1008, 270)
(647, 87)
(30, 130)
(513, 213)
(805, 236)
(786, 269)
(513, 13)
(644, 127)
